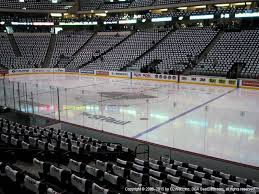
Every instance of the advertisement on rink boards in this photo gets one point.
(86, 72)
(250, 83)
(3, 71)
(208, 80)
(120, 74)
(99, 72)
(71, 70)
(165, 77)
(143, 75)
(38, 70)
(48, 70)
(15, 71)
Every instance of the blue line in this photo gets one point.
(180, 115)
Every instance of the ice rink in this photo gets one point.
(215, 121)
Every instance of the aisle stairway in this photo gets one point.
(15, 47)
(49, 54)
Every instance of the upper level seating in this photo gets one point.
(36, 4)
(67, 43)
(70, 163)
(173, 52)
(114, 5)
(141, 3)
(8, 18)
(7, 58)
(128, 51)
(90, 4)
(233, 47)
(46, 4)
(166, 2)
(183, 13)
(13, 4)
(86, 5)
(98, 45)
(99, 4)
(33, 48)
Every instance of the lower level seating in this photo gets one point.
(233, 48)
(79, 164)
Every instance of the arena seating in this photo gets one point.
(13, 4)
(33, 48)
(174, 51)
(135, 45)
(45, 4)
(7, 18)
(141, 3)
(166, 2)
(67, 43)
(98, 45)
(37, 4)
(233, 47)
(100, 4)
(107, 52)
(37, 160)
(93, 5)
(85, 5)
(183, 13)
(6, 51)
(90, 4)
(114, 5)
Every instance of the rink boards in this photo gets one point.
(182, 79)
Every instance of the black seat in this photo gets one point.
(82, 185)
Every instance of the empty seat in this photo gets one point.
(79, 183)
